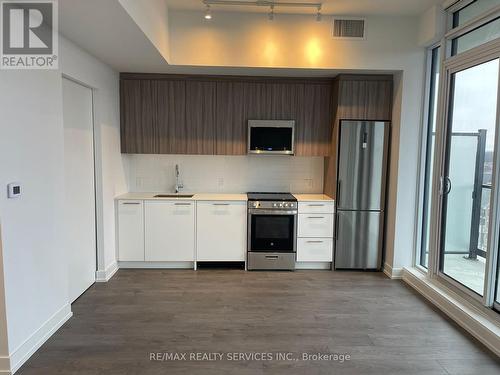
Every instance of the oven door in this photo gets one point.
(272, 231)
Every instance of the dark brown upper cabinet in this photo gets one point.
(172, 114)
(138, 102)
(200, 117)
(356, 97)
(315, 120)
(365, 97)
(171, 117)
(231, 112)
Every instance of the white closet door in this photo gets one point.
(79, 187)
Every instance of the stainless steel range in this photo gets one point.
(272, 231)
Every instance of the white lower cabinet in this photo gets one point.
(169, 231)
(221, 231)
(314, 249)
(130, 230)
(315, 231)
(205, 231)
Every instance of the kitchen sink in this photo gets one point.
(174, 196)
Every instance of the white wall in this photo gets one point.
(228, 174)
(4, 345)
(31, 152)
(290, 41)
(152, 16)
(431, 26)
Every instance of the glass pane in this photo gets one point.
(429, 156)
(469, 166)
(481, 35)
(473, 10)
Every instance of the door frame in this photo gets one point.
(98, 183)
(473, 57)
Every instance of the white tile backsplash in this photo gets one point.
(225, 174)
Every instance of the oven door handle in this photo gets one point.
(252, 211)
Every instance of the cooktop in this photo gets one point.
(284, 197)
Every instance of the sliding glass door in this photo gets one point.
(469, 163)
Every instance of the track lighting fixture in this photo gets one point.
(263, 3)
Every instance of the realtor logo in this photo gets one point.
(28, 34)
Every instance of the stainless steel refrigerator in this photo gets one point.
(361, 179)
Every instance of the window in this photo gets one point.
(472, 10)
(429, 141)
(476, 37)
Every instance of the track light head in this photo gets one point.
(208, 14)
(318, 14)
(271, 13)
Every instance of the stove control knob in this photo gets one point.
(274, 204)
(255, 204)
(281, 204)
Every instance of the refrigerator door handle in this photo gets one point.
(339, 184)
(336, 225)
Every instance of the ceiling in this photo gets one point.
(340, 7)
(114, 38)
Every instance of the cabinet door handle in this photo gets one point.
(182, 204)
(314, 241)
(131, 203)
(220, 204)
(272, 257)
(315, 205)
(315, 217)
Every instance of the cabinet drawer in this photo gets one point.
(320, 207)
(315, 225)
(314, 249)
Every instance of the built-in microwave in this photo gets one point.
(271, 137)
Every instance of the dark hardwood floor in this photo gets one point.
(384, 326)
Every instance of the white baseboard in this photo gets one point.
(102, 276)
(465, 314)
(313, 265)
(24, 351)
(393, 273)
(181, 265)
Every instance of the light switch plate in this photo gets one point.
(14, 190)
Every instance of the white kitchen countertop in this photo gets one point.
(312, 197)
(195, 197)
(219, 197)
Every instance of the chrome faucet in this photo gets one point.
(178, 184)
